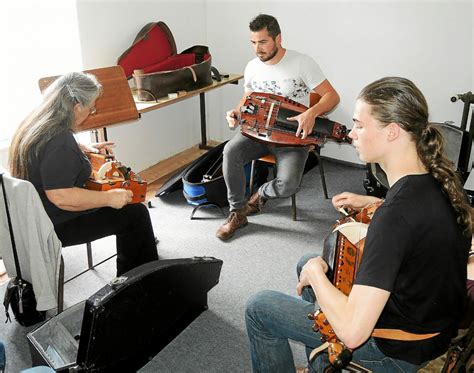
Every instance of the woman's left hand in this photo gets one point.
(98, 147)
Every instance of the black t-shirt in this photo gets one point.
(60, 164)
(415, 250)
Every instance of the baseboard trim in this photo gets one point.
(340, 161)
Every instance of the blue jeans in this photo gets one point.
(2, 357)
(241, 150)
(272, 318)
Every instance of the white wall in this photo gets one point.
(108, 28)
(356, 42)
(39, 39)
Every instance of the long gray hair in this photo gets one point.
(55, 115)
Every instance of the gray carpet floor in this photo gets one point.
(262, 255)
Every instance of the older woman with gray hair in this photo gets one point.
(45, 152)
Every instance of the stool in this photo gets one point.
(270, 158)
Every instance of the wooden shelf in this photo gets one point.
(159, 173)
(146, 106)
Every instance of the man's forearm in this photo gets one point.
(327, 102)
(242, 101)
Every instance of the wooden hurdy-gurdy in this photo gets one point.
(108, 173)
(263, 117)
(343, 251)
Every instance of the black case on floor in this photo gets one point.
(127, 322)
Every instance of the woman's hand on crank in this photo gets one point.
(352, 201)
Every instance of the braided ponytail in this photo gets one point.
(430, 148)
(398, 100)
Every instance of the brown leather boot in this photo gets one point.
(255, 204)
(235, 220)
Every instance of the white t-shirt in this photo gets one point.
(294, 76)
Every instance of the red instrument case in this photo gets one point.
(158, 70)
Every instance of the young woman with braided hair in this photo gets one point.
(45, 152)
(412, 276)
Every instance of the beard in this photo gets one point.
(268, 56)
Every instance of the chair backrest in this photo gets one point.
(457, 145)
(457, 149)
(36, 242)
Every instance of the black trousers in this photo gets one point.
(131, 224)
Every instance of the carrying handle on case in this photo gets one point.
(142, 90)
(215, 74)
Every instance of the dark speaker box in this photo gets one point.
(457, 148)
(375, 182)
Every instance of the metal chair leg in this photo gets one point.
(89, 255)
(321, 172)
(293, 206)
(61, 286)
(62, 281)
(293, 196)
(252, 176)
(91, 265)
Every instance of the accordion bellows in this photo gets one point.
(158, 70)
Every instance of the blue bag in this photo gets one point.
(203, 182)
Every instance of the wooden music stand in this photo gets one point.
(115, 105)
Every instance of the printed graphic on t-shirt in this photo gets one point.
(290, 88)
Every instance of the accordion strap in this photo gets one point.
(401, 335)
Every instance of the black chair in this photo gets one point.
(270, 158)
(61, 280)
(458, 144)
